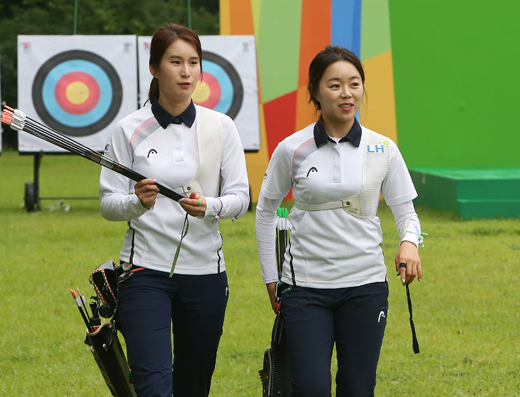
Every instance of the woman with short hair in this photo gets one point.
(334, 275)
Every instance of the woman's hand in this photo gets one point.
(195, 205)
(146, 190)
(271, 290)
(409, 255)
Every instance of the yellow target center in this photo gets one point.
(201, 93)
(77, 92)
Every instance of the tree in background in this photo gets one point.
(94, 17)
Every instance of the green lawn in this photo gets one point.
(466, 309)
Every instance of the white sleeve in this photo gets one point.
(276, 185)
(266, 210)
(278, 177)
(407, 222)
(234, 189)
(116, 192)
(398, 186)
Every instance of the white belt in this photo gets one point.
(350, 205)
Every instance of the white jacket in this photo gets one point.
(171, 155)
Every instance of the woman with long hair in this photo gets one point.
(178, 281)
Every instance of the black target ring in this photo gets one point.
(238, 88)
(103, 120)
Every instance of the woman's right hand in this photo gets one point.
(146, 190)
(271, 290)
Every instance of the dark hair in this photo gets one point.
(161, 40)
(331, 54)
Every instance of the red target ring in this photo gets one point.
(209, 91)
(77, 92)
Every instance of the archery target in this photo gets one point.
(77, 93)
(228, 83)
(220, 87)
(80, 86)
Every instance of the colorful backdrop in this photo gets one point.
(453, 65)
(289, 34)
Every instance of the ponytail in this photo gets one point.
(153, 93)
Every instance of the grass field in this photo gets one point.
(466, 309)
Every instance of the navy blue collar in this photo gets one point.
(321, 137)
(164, 117)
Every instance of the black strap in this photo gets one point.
(131, 259)
(293, 276)
(415, 343)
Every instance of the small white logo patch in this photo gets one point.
(381, 314)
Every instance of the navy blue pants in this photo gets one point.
(151, 306)
(352, 318)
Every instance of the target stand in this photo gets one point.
(77, 93)
(31, 198)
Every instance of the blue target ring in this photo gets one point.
(62, 116)
(82, 63)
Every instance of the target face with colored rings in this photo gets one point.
(219, 87)
(77, 93)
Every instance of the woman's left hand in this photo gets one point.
(409, 255)
(195, 205)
